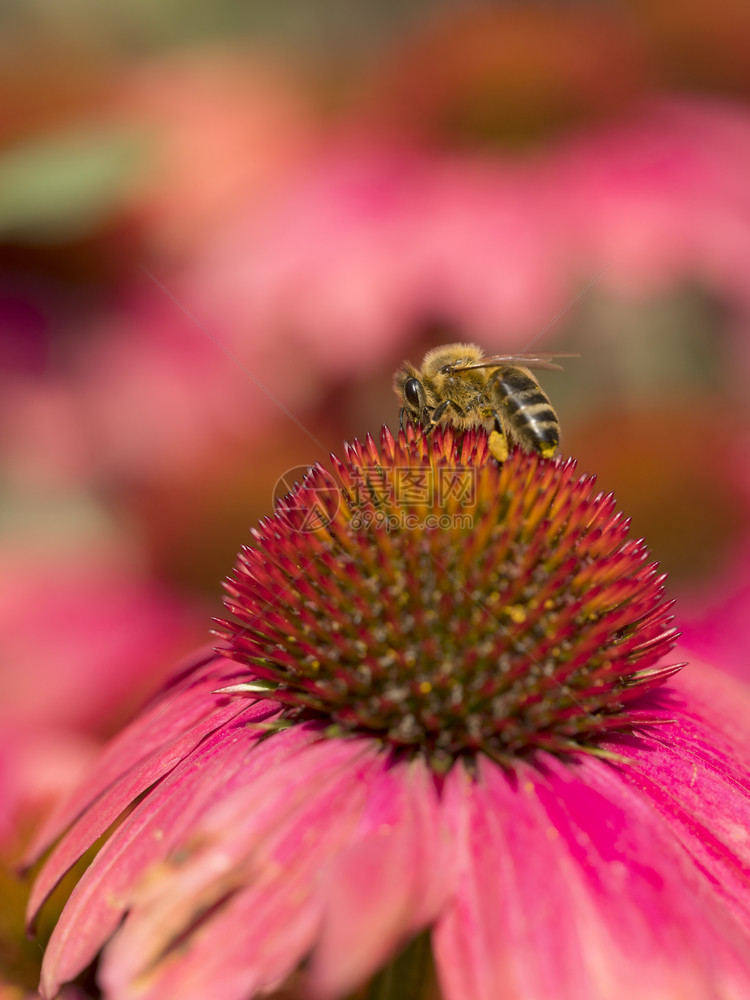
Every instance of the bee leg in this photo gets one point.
(426, 420)
(401, 413)
(439, 412)
(497, 440)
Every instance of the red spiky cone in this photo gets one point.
(449, 605)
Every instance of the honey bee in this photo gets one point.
(457, 385)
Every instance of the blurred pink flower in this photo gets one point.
(373, 239)
(146, 395)
(460, 730)
(715, 617)
(325, 269)
(662, 198)
(159, 394)
(9, 991)
(223, 124)
(82, 640)
(107, 378)
(371, 242)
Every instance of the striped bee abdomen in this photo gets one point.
(526, 410)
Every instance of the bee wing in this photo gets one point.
(523, 360)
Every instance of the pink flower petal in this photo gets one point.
(692, 776)
(147, 732)
(572, 889)
(263, 852)
(97, 904)
(142, 754)
(389, 884)
(254, 942)
(718, 701)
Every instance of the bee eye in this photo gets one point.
(412, 393)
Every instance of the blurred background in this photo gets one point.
(222, 227)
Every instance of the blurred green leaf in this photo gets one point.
(60, 187)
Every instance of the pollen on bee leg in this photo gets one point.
(498, 444)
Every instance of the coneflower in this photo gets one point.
(436, 731)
